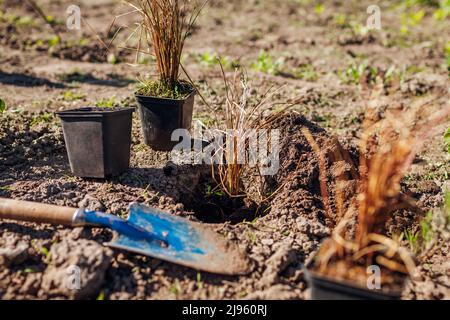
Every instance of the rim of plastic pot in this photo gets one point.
(193, 93)
(313, 275)
(94, 111)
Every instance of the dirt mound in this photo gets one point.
(76, 269)
(291, 231)
(298, 180)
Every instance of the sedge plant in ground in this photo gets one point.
(240, 133)
(359, 238)
(243, 116)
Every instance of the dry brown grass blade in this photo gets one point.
(328, 250)
(196, 88)
(387, 150)
(381, 189)
(33, 4)
(323, 169)
(402, 252)
(391, 264)
(380, 184)
(368, 250)
(99, 39)
(243, 120)
(165, 25)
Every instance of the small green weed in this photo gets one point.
(211, 59)
(265, 63)
(18, 21)
(426, 228)
(41, 250)
(101, 296)
(441, 13)
(447, 140)
(2, 105)
(434, 226)
(401, 74)
(206, 120)
(53, 41)
(72, 96)
(208, 59)
(5, 188)
(354, 73)
(210, 192)
(341, 20)
(319, 8)
(106, 103)
(412, 239)
(29, 270)
(251, 236)
(161, 90)
(199, 281)
(40, 118)
(175, 288)
(358, 29)
(306, 72)
(411, 19)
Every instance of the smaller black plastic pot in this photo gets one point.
(98, 140)
(161, 116)
(324, 288)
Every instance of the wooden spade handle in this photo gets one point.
(36, 212)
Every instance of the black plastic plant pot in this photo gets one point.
(324, 288)
(160, 117)
(98, 140)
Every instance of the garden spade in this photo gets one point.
(147, 231)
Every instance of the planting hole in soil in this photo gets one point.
(213, 206)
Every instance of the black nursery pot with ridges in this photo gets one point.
(325, 288)
(160, 117)
(98, 140)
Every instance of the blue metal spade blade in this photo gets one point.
(180, 241)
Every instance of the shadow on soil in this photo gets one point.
(114, 80)
(46, 233)
(24, 80)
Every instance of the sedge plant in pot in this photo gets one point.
(360, 260)
(166, 103)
